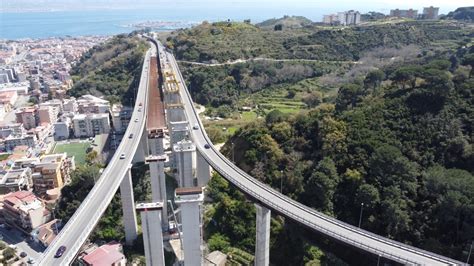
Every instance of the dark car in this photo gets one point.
(207, 146)
(23, 254)
(60, 251)
(130, 136)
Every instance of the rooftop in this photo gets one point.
(104, 255)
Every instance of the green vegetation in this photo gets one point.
(76, 149)
(398, 139)
(111, 69)
(224, 41)
(462, 13)
(286, 22)
(4, 156)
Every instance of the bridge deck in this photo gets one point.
(155, 123)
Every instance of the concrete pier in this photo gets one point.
(262, 243)
(128, 208)
(158, 185)
(190, 200)
(183, 152)
(152, 234)
(203, 171)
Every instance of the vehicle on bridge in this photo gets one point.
(60, 251)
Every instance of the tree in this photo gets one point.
(218, 241)
(275, 116)
(348, 95)
(278, 27)
(321, 186)
(406, 75)
(313, 99)
(91, 156)
(468, 60)
(9, 253)
(374, 78)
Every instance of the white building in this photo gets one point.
(89, 125)
(15, 180)
(19, 140)
(62, 129)
(70, 105)
(91, 104)
(121, 117)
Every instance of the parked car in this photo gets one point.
(136, 119)
(207, 146)
(196, 127)
(31, 261)
(23, 254)
(60, 251)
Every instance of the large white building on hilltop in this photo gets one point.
(89, 125)
(91, 104)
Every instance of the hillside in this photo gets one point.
(111, 69)
(228, 41)
(287, 22)
(399, 140)
(462, 14)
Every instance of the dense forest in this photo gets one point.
(398, 140)
(224, 41)
(111, 69)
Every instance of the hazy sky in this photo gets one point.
(335, 5)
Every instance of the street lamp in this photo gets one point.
(361, 210)
(55, 222)
(233, 158)
(281, 181)
(470, 250)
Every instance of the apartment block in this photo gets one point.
(430, 12)
(62, 129)
(23, 209)
(89, 125)
(15, 180)
(51, 172)
(350, 17)
(404, 13)
(27, 117)
(91, 104)
(121, 116)
(47, 114)
(13, 141)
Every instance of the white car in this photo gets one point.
(122, 156)
(136, 119)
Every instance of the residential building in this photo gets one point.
(430, 12)
(105, 255)
(70, 105)
(62, 129)
(89, 125)
(350, 17)
(19, 140)
(91, 104)
(47, 114)
(8, 129)
(15, 180)
(27, 117)
(8, 97)
(121, 117)
(23, 209)
(404, 13)
(46, 233)
(52, 171)
(54, 103)
(4, 79)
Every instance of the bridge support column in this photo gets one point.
(190, 200)
(203, 171)
(262, 243)
(142, 149)
(183, 151)
(152, 234)
(128, 207)
(158, 185)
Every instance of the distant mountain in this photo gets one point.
(462, 13)
(287, 22)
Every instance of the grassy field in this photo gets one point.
(77, 149)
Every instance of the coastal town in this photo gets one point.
(44, 135)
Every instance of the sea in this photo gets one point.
(37, 25)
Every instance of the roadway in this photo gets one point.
(265, 195)
(77, 230)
